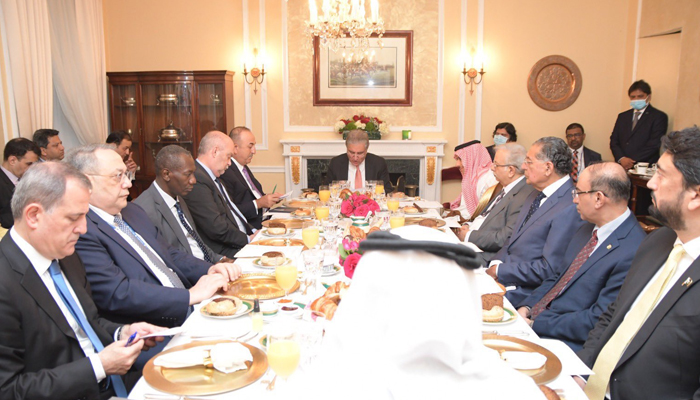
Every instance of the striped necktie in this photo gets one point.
(193, 233)
(574, 170)
(240, 219)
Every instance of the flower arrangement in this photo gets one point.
(349, 250)
(358, 205)
(374, 127)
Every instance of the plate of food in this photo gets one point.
(302, 203)
(429, 222)
(277, 229)
(226, 307)
(304, 213)
(263, 286)
(271, 259)
(280, 242)
(508, 348)
(289, 223)
(491, 317)
(400, 196)
(412, 211)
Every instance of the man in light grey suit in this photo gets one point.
(167, 210)
(492, 228)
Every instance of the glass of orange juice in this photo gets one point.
(392, 204)
(397, 219)
(379, 187)
(283, 349)
(286, 276)
(322, 211)
(324, 193)
(309, 233)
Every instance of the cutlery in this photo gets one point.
(271, 385)
(417, 207)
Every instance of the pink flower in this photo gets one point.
(346, 208)
(373, 206)
(351, 263)
(362, 210)
(350, 245)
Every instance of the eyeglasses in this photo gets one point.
(575, 135)
(575, 193)
(116, 178)
(502, 165)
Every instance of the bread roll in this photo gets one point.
(222, 306)
(410, 210)
(303, 212)
(310, 195)
(272, 258)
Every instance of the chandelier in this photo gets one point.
(344, 19)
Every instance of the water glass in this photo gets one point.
(334, 206)
(369, 186)
(313, 262)
(310, 333)
(330, 230)
(334, 188)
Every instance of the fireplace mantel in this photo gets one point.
(429, 152)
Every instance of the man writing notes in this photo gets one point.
(53, 344)
(545, 226)
(357, 165)
(134, 274)
(19, 155)
(645, 346)
(581, 156)
(240, 183)
(493, 227)
(164, 205)
(567, 305)
(220, 222)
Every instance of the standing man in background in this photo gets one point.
(19, 155)
(581, 156)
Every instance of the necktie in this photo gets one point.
(155, 260)
(635, 119)
(240, 219)
(192, 233)
(580, 259)
(80, 317)
(574, 170)
(533, 207)
(250, 182)
(358, 178)
(495, 201)
(610, 355)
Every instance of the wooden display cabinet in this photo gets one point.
(187, 104)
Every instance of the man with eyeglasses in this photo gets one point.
(492, 228)
(567, 305)
(581, 156)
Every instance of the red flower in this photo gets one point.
(356, 117)
(379, 121)
(346, 208)
(364, 120)
(362, 210)
(373, 206)
(351, 263)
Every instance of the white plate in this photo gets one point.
(509, 316)
(290, 233)
(245, 308)
(258, 264)
(335, 270)
(414, 214)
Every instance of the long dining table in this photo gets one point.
(198, 327)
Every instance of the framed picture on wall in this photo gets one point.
(380, 76)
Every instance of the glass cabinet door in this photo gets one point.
(212, 101)
(125, 114)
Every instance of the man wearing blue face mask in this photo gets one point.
(638, 131)
(502, 134)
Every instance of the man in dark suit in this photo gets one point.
(164, 205)
(567, 305)
(545, 225)
(581, 156)
(50, 144)
(637, 134)
(53, 344)
(240, 183)
(357, 165)
(503, 133)
(493, 227)
(134, 274)
(19, 155)
(645, 346)
(221, 224)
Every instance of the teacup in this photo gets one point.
(641, 168)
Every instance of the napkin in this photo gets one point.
(226, 357)
(523, 359)
(184, 358)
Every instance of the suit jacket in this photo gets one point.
(7, 189)
(575, 311)
(492, 151)
(240, 193)
(40, 357)
(375, 169)
(215, 221)
(662, 360)
(166, 223)
(536, 249)
(497, 228)
(642, 143)
(590, 156)
(123, 286)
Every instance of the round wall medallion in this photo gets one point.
(554, 83)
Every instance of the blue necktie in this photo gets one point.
(192, 233)
(533, 207)
(79, 316)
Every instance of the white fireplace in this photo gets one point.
(429, 152)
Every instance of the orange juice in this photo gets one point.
(310, 235)
(324, 195)
(397, 221)
(283, 356)
(286, 276)
(379, 189)
(392, 204)
(322, 212)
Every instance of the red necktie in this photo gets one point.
(580, 259)
(358, 179)
(574, 171)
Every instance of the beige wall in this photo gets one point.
(599, 36)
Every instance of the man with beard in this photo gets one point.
(646, 344)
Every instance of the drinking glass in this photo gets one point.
(344, 185)
(310, 332)
(379, 187)
(324, 193)
(283, 349)
(392, 204)
(310, 233)
(334, 189)
(313, 263)
(286, 276)
(369, 186)
(322, 211)
(383, 216)
(397, 219)
(334, 207)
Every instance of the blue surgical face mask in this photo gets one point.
(500, 139)
(638, 104)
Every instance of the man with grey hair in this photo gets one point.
(240, 183)
(493, 227)
(134, 274)
(357, 165)
(540, 236)
(220, 222)
(53, 343)
(164, 205)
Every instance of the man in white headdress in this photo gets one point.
(410, 328)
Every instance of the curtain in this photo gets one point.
(77, 46)
(29, 49)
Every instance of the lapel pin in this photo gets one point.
(609, 247)
(688, 282)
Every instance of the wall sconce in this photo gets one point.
(471, 74)
(257, 75)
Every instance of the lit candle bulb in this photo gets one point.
(374, 5)
(313, 12)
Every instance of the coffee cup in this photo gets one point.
(641, 168)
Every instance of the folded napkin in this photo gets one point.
(523, 359)
(226, 357)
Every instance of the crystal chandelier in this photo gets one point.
(342, 19)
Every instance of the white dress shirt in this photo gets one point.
(352, 170)
(252, 189)
(41, 264)
(13, 178)
(170, 202)
(240, 223)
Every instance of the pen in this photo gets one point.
(130, 340)
(273, 190)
